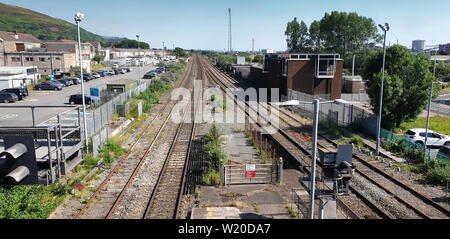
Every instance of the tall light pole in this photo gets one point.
(314, 157)
(139, 60)
(385, 29)
(229, 36)
(78, 18)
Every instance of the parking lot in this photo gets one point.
(22, 116)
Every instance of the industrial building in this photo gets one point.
(418, 45)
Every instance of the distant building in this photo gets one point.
(445, 48)
(240, 60)
(71, 47)
(18, 42)
(418, 45)
(97, 46)
(48, 63)
(267, 51)
(12, 77)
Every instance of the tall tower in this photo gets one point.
(230, 48)
(253, 45)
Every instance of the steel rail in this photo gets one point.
(166, 161)
(123, 158)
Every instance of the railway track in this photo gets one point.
(165, 199)
(291, 147)
(422, 206)
(109, 194)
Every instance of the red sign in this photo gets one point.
(250, 170)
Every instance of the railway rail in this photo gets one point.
(165, 200)
(108, 195)
(420, 204)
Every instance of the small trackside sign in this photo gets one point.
(250, 170)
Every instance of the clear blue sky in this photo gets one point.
(203, 24)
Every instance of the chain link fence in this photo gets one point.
(364, 121)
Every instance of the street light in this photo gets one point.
(314, 153)
(139, 60)
(428, 115)
(385, 29)
(78, 17)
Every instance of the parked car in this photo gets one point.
(8, 97)
(48, 85)
(20, 92)
(78, 99)
(88, 77)
(75, 80)
(109, 73)
(128, 69)
(96, 75)
(103, 73)
(66, 82)
(54, 82)
(122, 70)
(444, 152)
(434, 139)
(149, 75)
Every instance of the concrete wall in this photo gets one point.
(61, 61)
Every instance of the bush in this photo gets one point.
(211, 178)
(357, 140)
(110, 151)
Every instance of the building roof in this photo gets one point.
(95, 43)
(23, 37)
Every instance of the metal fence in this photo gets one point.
(364, 121)
(98, 117)
(412, 150)
(439, 109)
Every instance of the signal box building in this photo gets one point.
(313, 74)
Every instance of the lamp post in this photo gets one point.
(316, 104)
(139, 60)
(428, 114)
(385, 28)
(78, 18)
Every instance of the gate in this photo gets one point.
(264, 174)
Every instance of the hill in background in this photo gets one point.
(44, 27)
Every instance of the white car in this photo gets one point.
(434, 139)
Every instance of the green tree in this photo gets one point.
(315, 36)
(406, 84)
(442, 71)
(343, 32)
(297, 36)
(179, 52)
(258, 59)
(97, 59)
(129, 44)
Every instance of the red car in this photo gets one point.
(53, 82)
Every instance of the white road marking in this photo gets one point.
(9, 116)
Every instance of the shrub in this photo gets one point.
(110, 151)
(357, 140)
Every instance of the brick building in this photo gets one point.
(313, 74)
